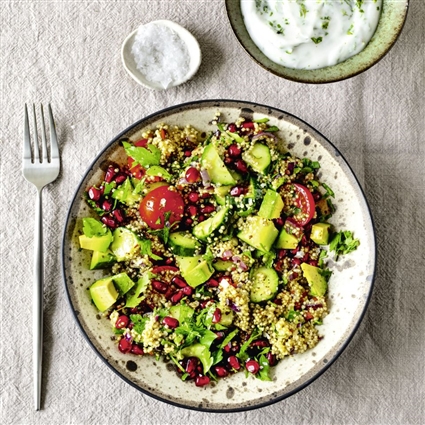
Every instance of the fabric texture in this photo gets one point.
(68, 53)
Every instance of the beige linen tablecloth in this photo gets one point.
(68, 53)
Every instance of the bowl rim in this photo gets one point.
(312, 80)
(352, 331)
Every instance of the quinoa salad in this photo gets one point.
(214, 249)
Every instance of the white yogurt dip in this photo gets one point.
(310, 34)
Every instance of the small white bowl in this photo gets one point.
(188, 39)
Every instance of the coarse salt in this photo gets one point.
(160, 55)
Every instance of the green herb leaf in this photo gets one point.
(94, 228)
(146, 249)
(150, 155)
(139, 322)
(343, 242)
(316, 40)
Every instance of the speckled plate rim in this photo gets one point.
(332, 355)
(342, 71)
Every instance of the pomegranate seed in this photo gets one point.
(208, 209)
(192, 364)
(108, 221)
(159, 286)
(160, 269)
(228, 160)
(313, 263)
(213, 283)
(234, 362)
(187, 153)
(178, 281)
(317, 196)
(176, 297)
(205, 303)
(241, 166)
(216, 315)
(121, 178)
(107, 205)
(260, 343)
(234, 150)
(201, 218)
(122, 322)
(135, 349)
(252, 366)
(110, 173)
(248, 124)
(193, 197)
(187, 290)
(296, 261)
(281, 254)
(271, 358)
(232, 127)
(192, 175)
(221, 371)
(94, 193)
(227, 347)
(141, 143)
(237, 191)
(202, 380)
(308, 316)
(206, 195)
(192, 210)
(279, 222)
(188, 222)
(220, 335)
(124, 346)
(118, 215)
(171, 322)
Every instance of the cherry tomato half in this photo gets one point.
(305, 202)
(158, 204)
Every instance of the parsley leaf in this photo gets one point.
(150, 155)
(139, 322)
(343, 242)
(94, 228)
(146, 249)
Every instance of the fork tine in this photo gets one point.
(35, 149)
(43, 136)
(54, 149)
(27, 137)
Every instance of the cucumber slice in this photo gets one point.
(265, 283)
(258, 157)
(183, 244)
(125, 244)
(215, 166)
(223, 265)
(125, 193)
(206, 228)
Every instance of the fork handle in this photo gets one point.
(38, 301)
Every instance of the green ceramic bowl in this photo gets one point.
(391, 22)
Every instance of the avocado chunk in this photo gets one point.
(223, 265)
(181, 312)
(103, 293)
(286, 240)
(317, 282)
(125, 245)
(96, 243)
(258, 157)
(320, 233)
(135, 295)
(265, 282)
(123, 282)
(214, 165)
(272, 205)
(258, 232)
(102, 260)
(206, 228)
(194, 270)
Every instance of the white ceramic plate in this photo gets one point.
(350, 286)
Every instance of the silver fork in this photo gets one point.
(40, 169)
